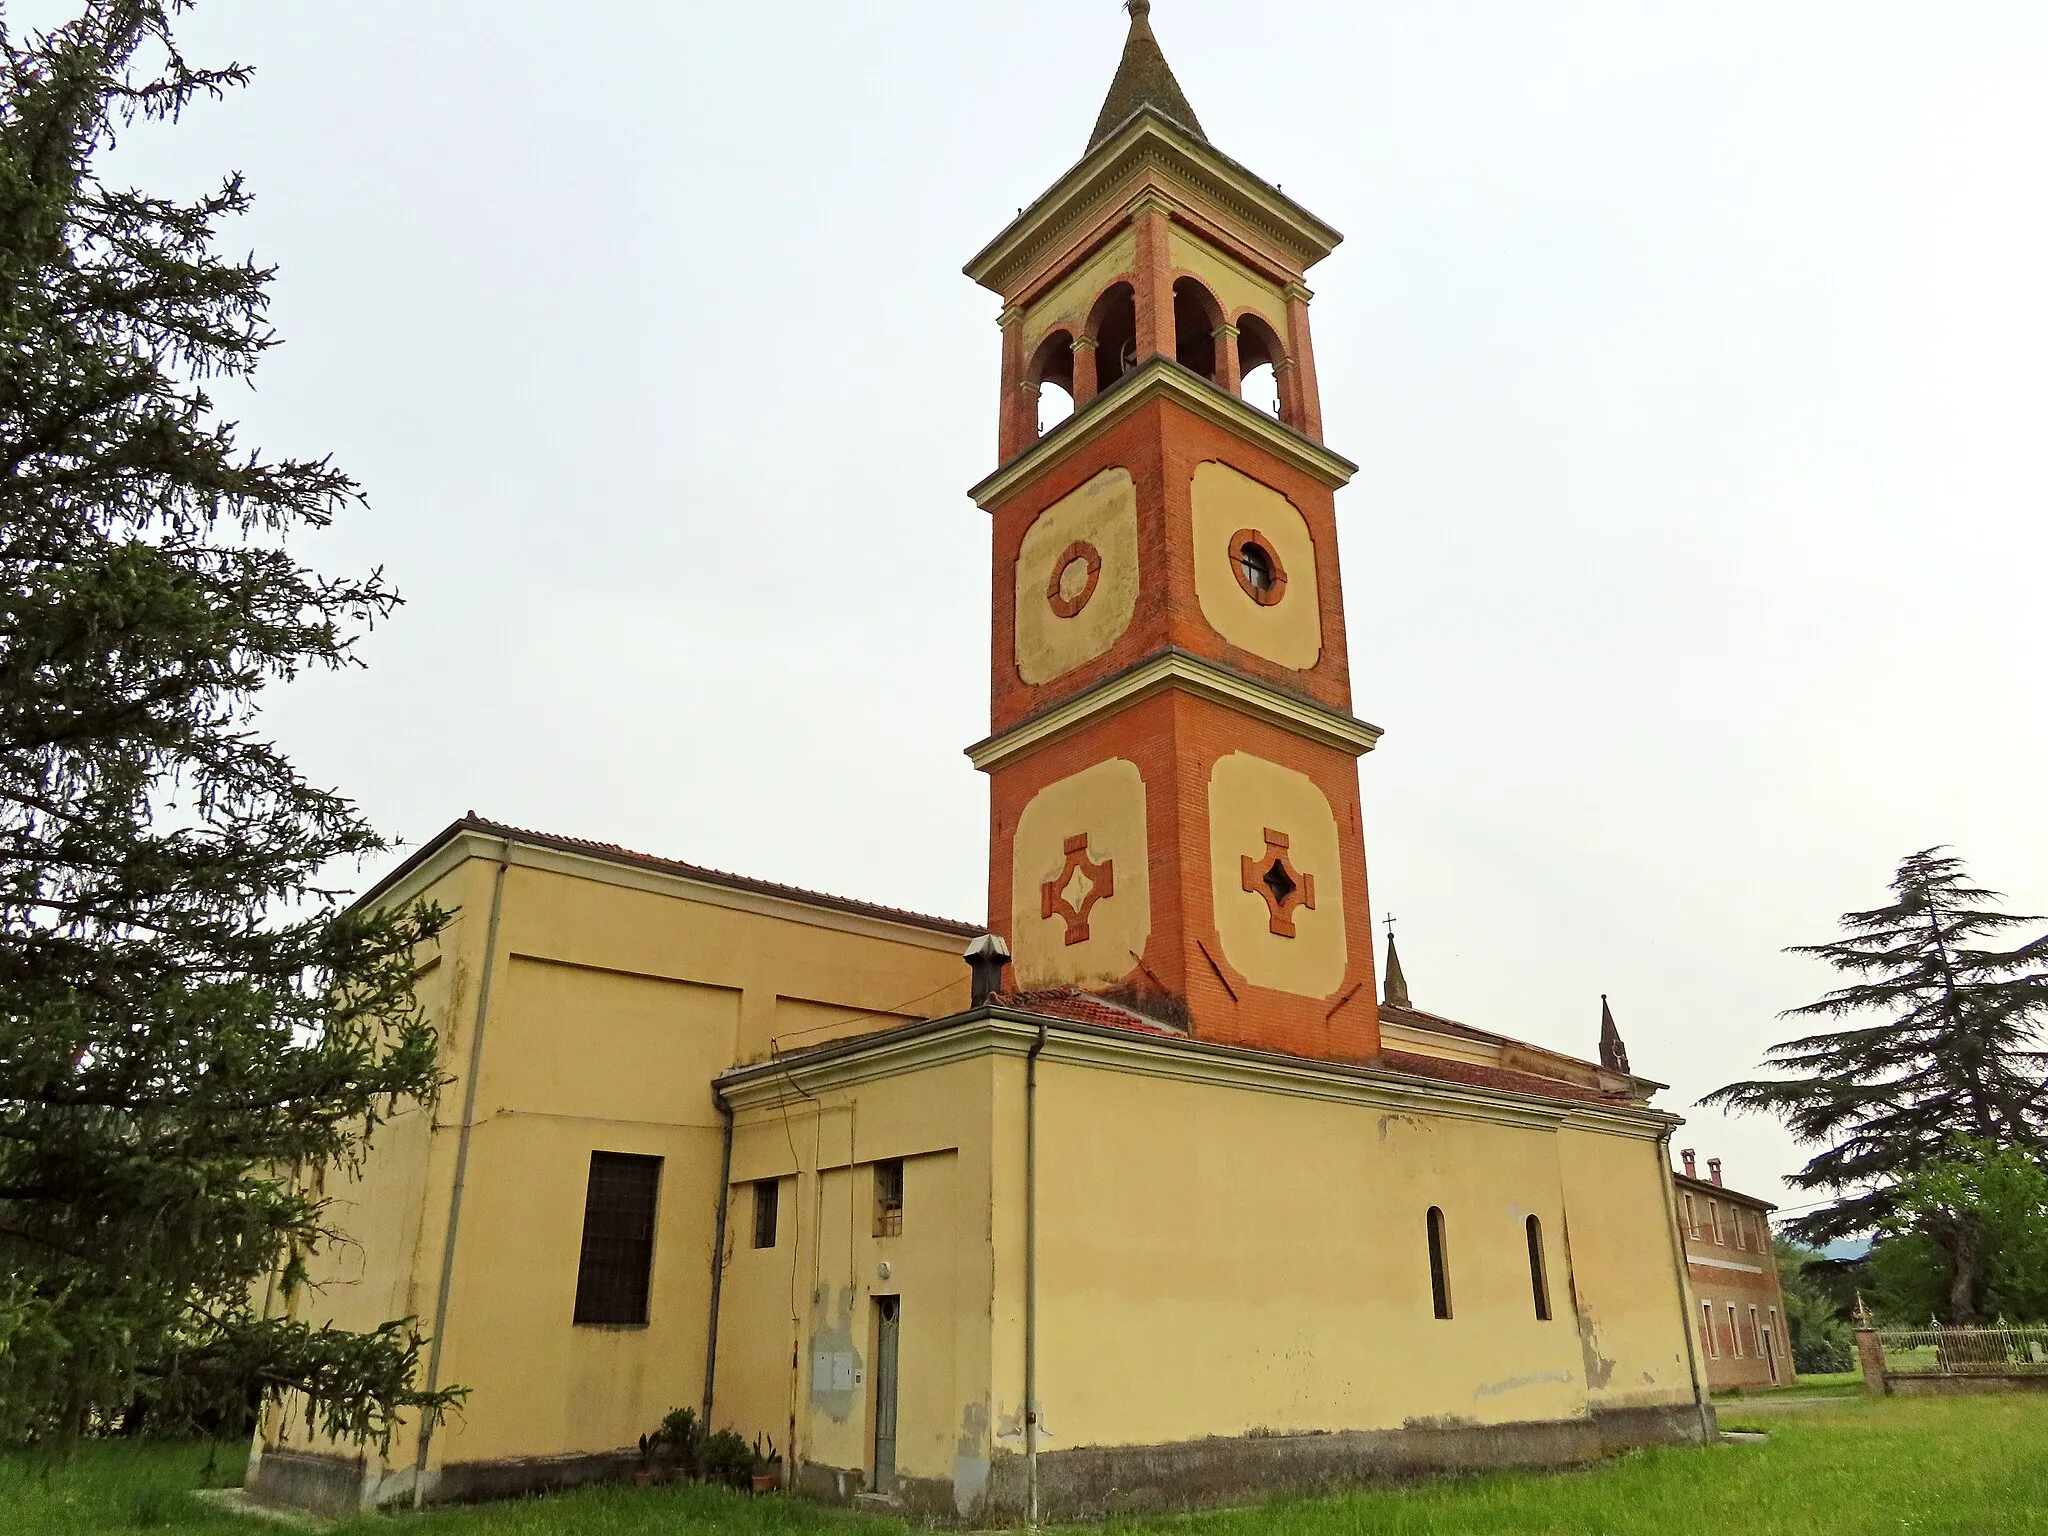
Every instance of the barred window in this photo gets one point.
(767, 1200)
(889, 1198)
(618, 1239)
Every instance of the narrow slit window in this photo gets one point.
(767, 1208)
(1707, 1329)
(1714, 1218)
(1439, 1271)
(1692, 1217)
(889, 1198)
(1734, 1332)
(617, 1260)
(1539, 1282)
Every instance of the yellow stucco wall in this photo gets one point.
(1247, 796)
(1068, 301)
(1290, 631)
(1104, 513)
(1634, 1337)
(1106, 803)
(617, 995)
(1221, 1250)
(1217, 1256)
(1236, 287)
(824, 1146)
(1258, 1262)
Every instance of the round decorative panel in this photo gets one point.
(1074, 578)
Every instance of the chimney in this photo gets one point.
(1691, 1168)
(986, 957)
(1714, 1169)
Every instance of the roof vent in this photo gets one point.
(986, 957)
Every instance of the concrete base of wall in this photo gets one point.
(1962, 1386)
(339, 1486)
(1091, 1482)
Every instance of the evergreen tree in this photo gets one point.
(1951, 1052)
(191, 1027)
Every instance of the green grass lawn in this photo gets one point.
(1924, 1465)
(1837, 1384)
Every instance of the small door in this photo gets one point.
(888, 1328)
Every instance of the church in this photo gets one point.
(1149, 1191)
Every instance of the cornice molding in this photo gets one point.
(470, 844)
(1191, 674)
(1148, 137)
(1013, 1032)
(1161, 378)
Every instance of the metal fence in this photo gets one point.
(1939, 1351)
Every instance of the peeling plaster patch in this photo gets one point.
(970, 1460)
(1388, 1121)
(1533, 1378)
(1599, 1369)
(1010, 1426)
(1649, 1378)
(836, 1366)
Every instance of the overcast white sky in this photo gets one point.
(1696, 357)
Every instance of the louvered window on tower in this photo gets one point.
(618, 1240)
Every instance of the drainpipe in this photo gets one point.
(718, 1257)
(1692, 1354)
(1031, 1275)
(476, 1058)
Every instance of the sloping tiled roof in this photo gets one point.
(1477, 1076)
(1083, 1008)
(613, 853)
(1143, 79)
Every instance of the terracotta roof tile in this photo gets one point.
(618, 855)
(1080, 1007)
(1412, 1065)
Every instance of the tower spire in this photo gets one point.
(1143, 79)
(1613, 1054)
(1397, 984)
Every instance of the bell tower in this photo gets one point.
(1174, 814)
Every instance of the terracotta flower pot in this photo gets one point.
(765, 1482)
(644, 1478)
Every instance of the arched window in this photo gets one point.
(1195, 318)
(1258, 357)
(1114, 325)
(1439, 1267)
(1539, 1282)
(1052, 370)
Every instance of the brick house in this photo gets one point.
(1740, 1310)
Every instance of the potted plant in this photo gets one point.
(674, 1447)
(767, 1465)
(727, 1458)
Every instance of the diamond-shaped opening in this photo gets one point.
(1276, 881)
(1075, 892)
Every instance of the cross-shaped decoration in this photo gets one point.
(1286, 889)
(1072, 893)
